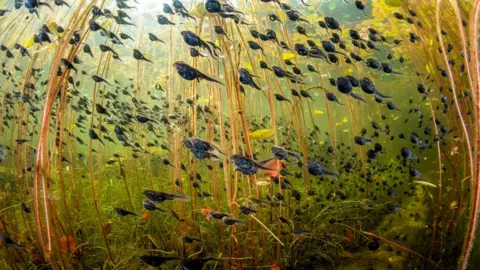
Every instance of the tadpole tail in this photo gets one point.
(330, 173)
(205, 77)
(307, 5)
(382, 95)
(357, 97)
(38, 16)
(262, 51)
(45, 4)
(207, 46)
(254, 85)
(303, 20)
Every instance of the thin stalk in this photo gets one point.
(474, 211)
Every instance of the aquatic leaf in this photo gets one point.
(428, 184)
(72, 127)
(453, 205)
(262, 183)
(346, 130)
(146, 216)
(202, 100)
(430, 67)
(29, 43)
(288, 56)
(262, 134)
(319, 112)
(67, 244)
(344, 120)
(282, 16)
(274, 166)
(206, 210)
(53, 27)
(106, 23)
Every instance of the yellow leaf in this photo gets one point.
(346, 130)
(318, 112)
(202, 100)
(429, 67)
(262, 183)
(282, 16)
(29, 43)
(428, 184)
(288, 56)
(72, 127)
(453, 205)
(345, 120)
(262, 134)
(53, 27)
(106, 24)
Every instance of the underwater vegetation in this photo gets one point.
(260, 134)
